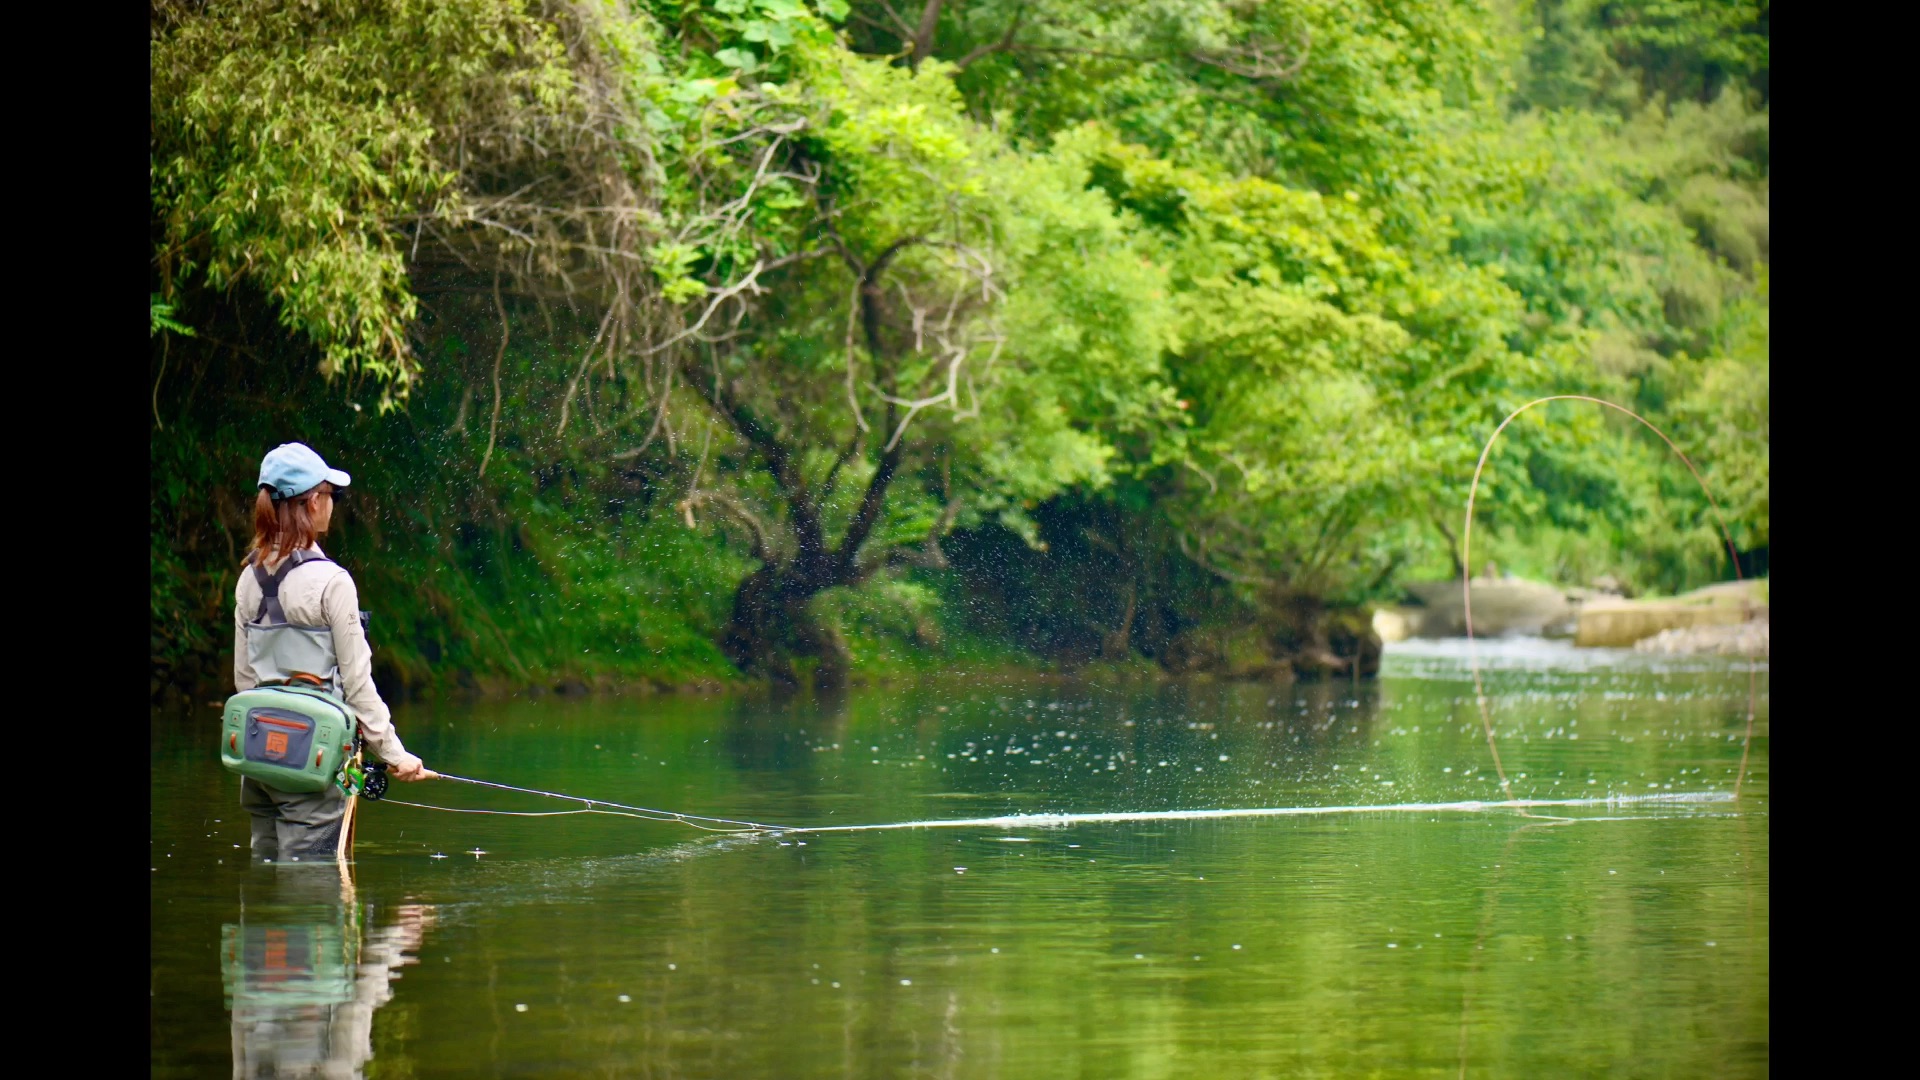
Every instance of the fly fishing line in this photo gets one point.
(1466, 578)
(1053, 821)
(1472, 806)
(594, 806)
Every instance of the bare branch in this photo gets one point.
(573, 386)
(833, 475)
(949, 395)
(981, 52)
(1261, 60)
(1212, 484)
(796, 257)
(906, 28)
(779, 460)
(493, 428)
(746, 284)
(734, 509)
(1200, 560)
(659, 418)
(853, 398)
(871, 504)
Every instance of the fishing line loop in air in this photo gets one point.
(1466, 579)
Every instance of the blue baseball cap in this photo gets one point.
(293, 468)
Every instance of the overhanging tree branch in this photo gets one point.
(1004, 44)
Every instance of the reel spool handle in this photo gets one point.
(373, 782)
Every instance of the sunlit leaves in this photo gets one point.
(296, 148)
(163, 319)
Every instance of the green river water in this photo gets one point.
(1632, 940)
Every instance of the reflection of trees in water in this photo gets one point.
(1283, 727)
(1275, 721)
(303, 975)
(778, 732)
(1488, 904)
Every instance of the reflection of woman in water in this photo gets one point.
(296, 618)
(303, 986)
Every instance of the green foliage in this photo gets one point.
(163, 319)
(299, 145)
(1516, 251)
(536, 576)
(1640, 247)
(1615, 54)
(1014, 337)
(1213, 302)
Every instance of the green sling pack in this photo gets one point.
(293, 738)
(295, 731)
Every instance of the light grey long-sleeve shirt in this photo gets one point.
(323, 594)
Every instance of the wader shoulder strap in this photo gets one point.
(270, 584)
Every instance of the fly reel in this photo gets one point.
(375, 784)
(368, 782)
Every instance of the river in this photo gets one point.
(1629, 937)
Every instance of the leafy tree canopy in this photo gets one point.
(829, 281)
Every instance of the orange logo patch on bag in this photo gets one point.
(277, 743)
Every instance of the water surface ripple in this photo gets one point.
(1127, 880)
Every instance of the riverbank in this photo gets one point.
(1753, 638)
(1617, 622)
(1726, 616)
(961, 659)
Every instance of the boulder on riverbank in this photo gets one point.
(1592, 617)
(1504, 605)
(1619, 623)
(1744, 639)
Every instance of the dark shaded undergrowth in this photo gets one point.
(552, 575)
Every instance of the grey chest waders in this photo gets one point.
(294, 731)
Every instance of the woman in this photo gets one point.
(297, 618)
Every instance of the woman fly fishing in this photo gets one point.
(306, 704)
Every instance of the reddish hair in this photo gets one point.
(281, 528)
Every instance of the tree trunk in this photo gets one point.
(753, 631)
(773, 625)
(1117, 644)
